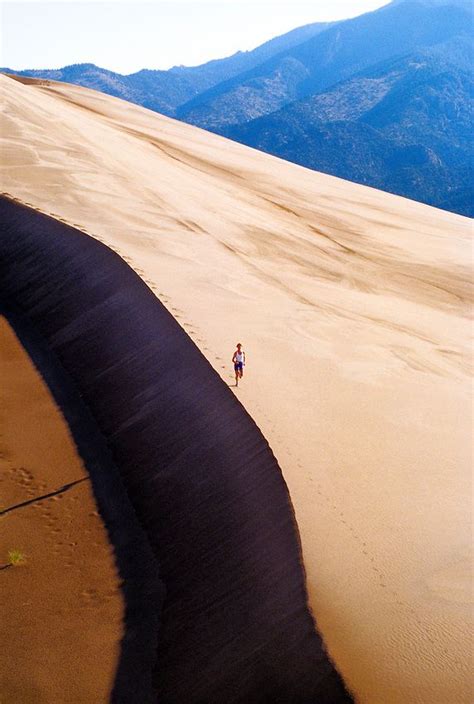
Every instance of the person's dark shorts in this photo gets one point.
(239, 366)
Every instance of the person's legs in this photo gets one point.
(236, 369)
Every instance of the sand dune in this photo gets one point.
(233, 620)
(353, 309)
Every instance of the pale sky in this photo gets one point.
(126, 36)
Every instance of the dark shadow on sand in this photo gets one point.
(42, 497)
(234, 625)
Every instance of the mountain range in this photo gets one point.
(403, 126)
(384, 99)
(165, 91)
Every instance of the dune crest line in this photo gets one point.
(208, 492)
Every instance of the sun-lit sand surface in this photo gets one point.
(353, 309)
(61, 611)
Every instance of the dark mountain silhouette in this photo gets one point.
(164, 91)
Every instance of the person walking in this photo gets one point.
(239, 363)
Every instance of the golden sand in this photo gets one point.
(61, 610)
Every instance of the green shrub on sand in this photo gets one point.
(16, 557)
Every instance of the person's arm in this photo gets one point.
(233, 358)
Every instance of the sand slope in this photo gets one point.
(61, 612)
(353, 309)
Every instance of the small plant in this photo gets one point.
(16, 557)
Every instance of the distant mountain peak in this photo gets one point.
(465, 4)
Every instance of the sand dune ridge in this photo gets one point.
(354, 309)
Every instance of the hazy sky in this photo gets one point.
(127, 36)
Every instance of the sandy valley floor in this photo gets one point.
(62, 609)
(353, 308)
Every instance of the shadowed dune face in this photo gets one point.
(235, 624)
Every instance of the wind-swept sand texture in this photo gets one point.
(233, 624)
(353, 309)
(61, 612)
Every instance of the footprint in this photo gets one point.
(89, 593)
